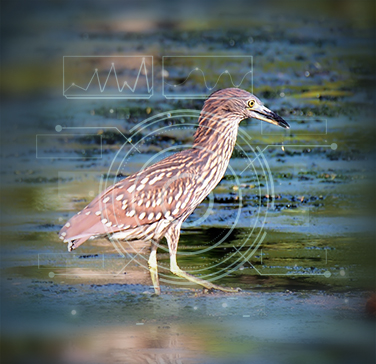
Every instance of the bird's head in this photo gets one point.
(241, 105)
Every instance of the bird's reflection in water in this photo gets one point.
(136, 344)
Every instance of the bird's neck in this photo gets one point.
(217, 135)
(214, 142)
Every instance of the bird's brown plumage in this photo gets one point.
(159, 193)
(143, 205)
(154, 202)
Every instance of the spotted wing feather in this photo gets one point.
(160, 192)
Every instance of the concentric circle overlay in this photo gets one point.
(155, 128)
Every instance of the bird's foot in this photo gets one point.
(223, 289)
(209, 286)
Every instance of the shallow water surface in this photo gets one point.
(291, 223)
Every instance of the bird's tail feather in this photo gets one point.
(79, 229)
(76, 243)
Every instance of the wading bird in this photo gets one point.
(154, 202)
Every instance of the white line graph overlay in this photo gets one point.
(205, 82)
(107, 77)
(195, 77)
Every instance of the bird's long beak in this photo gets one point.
(263, 113)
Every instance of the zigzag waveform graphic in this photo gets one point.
(226, 72)
(119, 87)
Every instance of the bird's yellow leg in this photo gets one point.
(172, 236)
(208, 285)
(153, 267)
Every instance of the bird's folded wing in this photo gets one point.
(135, 201)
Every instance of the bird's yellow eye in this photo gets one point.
(251, 103)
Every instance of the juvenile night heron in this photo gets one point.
(154, 202)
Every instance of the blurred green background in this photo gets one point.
(304, 289)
